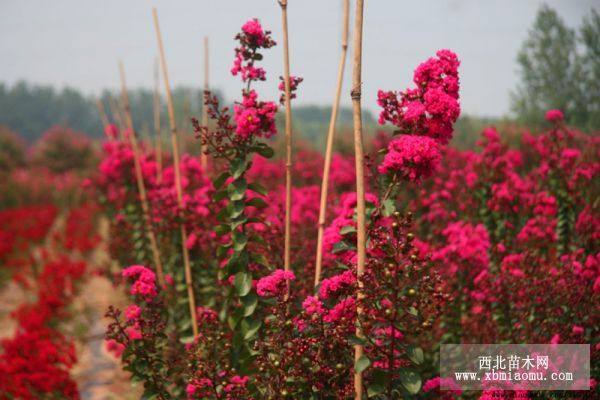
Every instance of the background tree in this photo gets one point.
(555, 74)
(590, 72)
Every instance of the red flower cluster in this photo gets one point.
(412, 157)
(255, 118)
(432, 107)
(252, 38)
(426, 113)
(36, 361)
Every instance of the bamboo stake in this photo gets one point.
(203, 155)
(115, 111)
(329, 146)
(157, 126)
(140, 178)
(102, 113)
(360, 183)
(288, 138)
(173, 126)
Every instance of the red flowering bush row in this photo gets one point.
(35, 362)
(489, 246)
(51, 171)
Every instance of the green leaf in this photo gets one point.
(375, 389)
(222, 214)
(237, 190)
(362, 363)
(347, 229)
(222, 251)
(222, 229)
(389, 207)
(250, 327)
(250, 302)
(186, 339)
(259, 259)
(415, 354)
(242, 283)
(264, 150)
(240, 240)
(241, 220)
(256, 202)
(149, 394)
(220, 195)
(354, 340)
(220, 180)
(410, 380)
(342, 246)
(258, 188)
(238, 167)
(235, 208)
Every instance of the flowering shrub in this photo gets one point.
(35, 362)
(62, 149)
(459, 243)
(12, 150)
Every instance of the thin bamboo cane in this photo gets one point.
(102, 113)
(360, 183)
(173, 126)
(157, 126)
(288, 138)
(203, 155)
(116, 113)
(140, 178)
(329, 146)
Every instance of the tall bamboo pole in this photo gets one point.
(173, 126)
(140, 178)
(288, 138)
(329, 146)
(360, 182)
(203, 155)
(157, 126)
(116, 113)
(102, 113)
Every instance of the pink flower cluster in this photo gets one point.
(255, 118)
(254, 34)
(425, 115)
(312, 305)
(554, 116)
(274, 284)
(201, 388)
(336, 283)
(305, 206)
(345, 308)
(294, 83)
(144, 284)
(133, 312)
(432, 107)
(412, 157)
(466, 249)
(252, 38)
(111, 131)
(344, 218)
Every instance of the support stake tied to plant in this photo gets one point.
(288, 139)
(157, 126)
(329, 146)
(139, 177)
(360, 185)
(173, 126)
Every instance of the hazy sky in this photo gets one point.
(78, 43)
